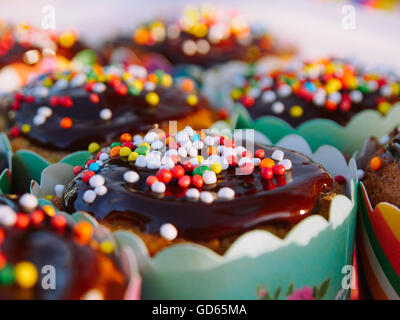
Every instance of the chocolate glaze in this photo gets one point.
(77, 266)
(129, 114)
(394, 147)
(257, 201)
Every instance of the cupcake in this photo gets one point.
(325, 88)
(23, 47)
(199, 188)
(201, 35)
(62, 112)
(44, 256)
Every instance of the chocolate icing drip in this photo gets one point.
(394, 147)
(287, 199)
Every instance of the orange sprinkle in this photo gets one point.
(267, 163)
(125, 137)
(202, 135)
(212, 150)
(188, 85)
(114, 152)
(66, 123)
(152, 78)
(375, 163)
(169, 140)
(83, 231)
(49, 210)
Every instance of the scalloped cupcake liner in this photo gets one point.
(378, 240)
(308, 263)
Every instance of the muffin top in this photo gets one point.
(40, 254)
(202, 35)
(325, 88)
(382, 172)
(66, 111)
(26, 43)
(196, 185)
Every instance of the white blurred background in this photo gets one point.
(315, 26)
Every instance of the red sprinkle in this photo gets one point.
(121, 90)
(178, 171)
(87, 175)
(247, 154)
(15, 105)
(128, 144)
(223, 114)
(187, 166)
(260, 153)
(18, 96)
(30, 99)
(15, 132)
(340, 179)
(164, 175)
(22, 220)
(197, 180)
(247, 168)
(184, 181)
(279, 169)
(58, 222)
(267, 173)
(150, 180)
(54, 101)
(77, 170)
(94, 97)
(232, 160)
(66, 102)
(37, 217)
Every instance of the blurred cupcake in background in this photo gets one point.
(61, 112)
(202, 35)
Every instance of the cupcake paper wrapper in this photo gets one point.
(378, 240)
(307, 264)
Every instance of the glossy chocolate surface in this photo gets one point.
(288, 198)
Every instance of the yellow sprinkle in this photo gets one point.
(124, 152)
(216, 167)
(384, 107)
(166, 81)
(200, 159)
(126, 76)
(26, 128)
(138, 84)
(47, 82)
(152, 98)
(133, 156)
(49, 197)
(236, 94)
(49, 210)
(94, 147)
(333, 85)
(67, 39)
(144, 144)
(107, 246)
(396, 89)
(26, 274)
(296, 111)
(192, 99)
(102, 78)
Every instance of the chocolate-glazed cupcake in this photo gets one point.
(382, 172)
(197, 187)
(23, 46)
(326, 88)
(42, 256)
(200, 35)
(62, 112)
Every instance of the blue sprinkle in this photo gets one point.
(196, 137)
(310, 86)
(94, 167)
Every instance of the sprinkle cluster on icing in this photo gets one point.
(208, 25)
(132, 80)
(327, 83)
(31, 216)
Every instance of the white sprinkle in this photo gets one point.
(167, 161)
(213, 159)
(137, 137)
(226, 193)
(93, 294)
(42, 92)
(99, 162)
(356, 96)
(198, 145)
(28, 202)
(335, 97)
(278, 107)
(99, 87)
(149, 86)
(209, 141)
(171, 152)
(386, 91)
(194, 161)
(182, 152)
(206, 197)
(154, 162)
(105, 114)
(256, 161)
(61, 84)
(141, 161)
(189, 131)
(278, 155)
(157, 145)
(168, 231)
(78, 80)
(384, 139)
(286, 163)
(89, 196)
(38, 120)
(360, 173)
(150, 137)
(319, 98)
(284, 91)
(192, 194)
(193, 152)
(158, 187)
(104, 156)
(59, 189)
(96, 180)
(268, 96)
(131, 176)
(239, 150)
(182, 137)
(101, 190)
(243, 160)
(373, 85)
(8, 217)
(209, 177)
(224, 163)
(45, 111)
